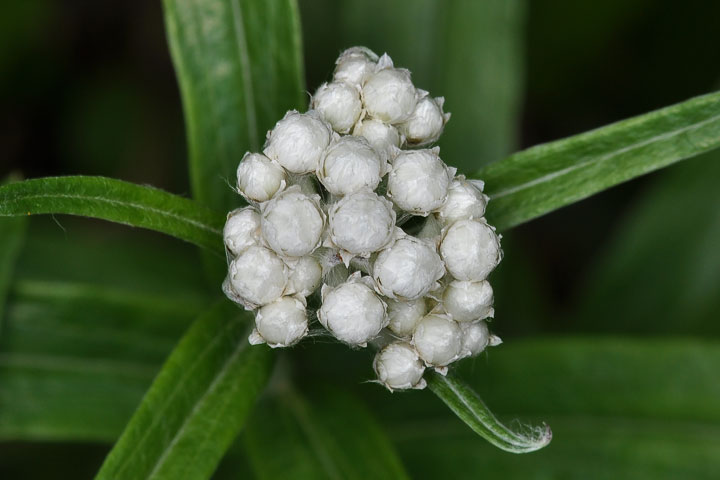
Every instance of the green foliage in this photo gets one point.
(239, 66)
(12, 235)
(467, 405)
(116, 201)
(331, 435)
(546, 177)
(196, 405)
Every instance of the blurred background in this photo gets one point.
(628, 279)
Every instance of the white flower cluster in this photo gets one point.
(345, 200)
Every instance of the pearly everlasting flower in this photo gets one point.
(468, 301)
(292, 222)
(470, 249)
(352, 312)
(426, 123)
(438, 340)
(350, 164)
(384, 138)
(355, 65)
(408, 269)
(259, 178)
(281, 323)
(418, 182)
(403, 316)
(389, 94)
(338, 104)
(298, 141)
(361, 223)
(465, 200)
(305, 276)
(476, 338)
(398, 367)
(242, 230)
(256, 277)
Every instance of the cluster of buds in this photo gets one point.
(355, 222)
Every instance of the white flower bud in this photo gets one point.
(468, 301)
(404, 316)
(256, 277)
(476, 338)
(259, 178)
(281, 323)
(292, 222)
(398, 367)
(438, 340)
(355, 65)
(419, 180)
(384, 138)
(471, 250)
(389, 95)
(338, 104)
(305, 276)
(241, 230)
(464, 200)
(298, 141)
(426, 123)
(350, 164)
(352, 312)
(408, 269)
(361, 223)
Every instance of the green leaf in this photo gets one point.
(239, 66)
(75, 359)
(660, 272)
(332, 436)
(541, 179)
(470, 408)
(619, 408)
(196, 405)
(12, 235)
(116, 201)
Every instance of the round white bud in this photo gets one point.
(468, 301)
(242, 230)
(355, 65)
(475, 338)
(338, 104)
(350, 164)
(257, 277)
(259, 178)
(281, 323)
(438, 340)
(426, 123)
(389, 95)
(305, 276)
(292, 223)
(398, 367)
(298, 141)
(361, 223)
(419, 180)
(464, 200)
(384, 138)
(352, 312)
(471, 250)
(408, 269)
(404, 316)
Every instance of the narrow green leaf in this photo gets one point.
(660, 273)
(196, 405)
(541, 179)
(470, 408)
(239, 66)
(116, 201)
(333, 436)
(75, 359)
